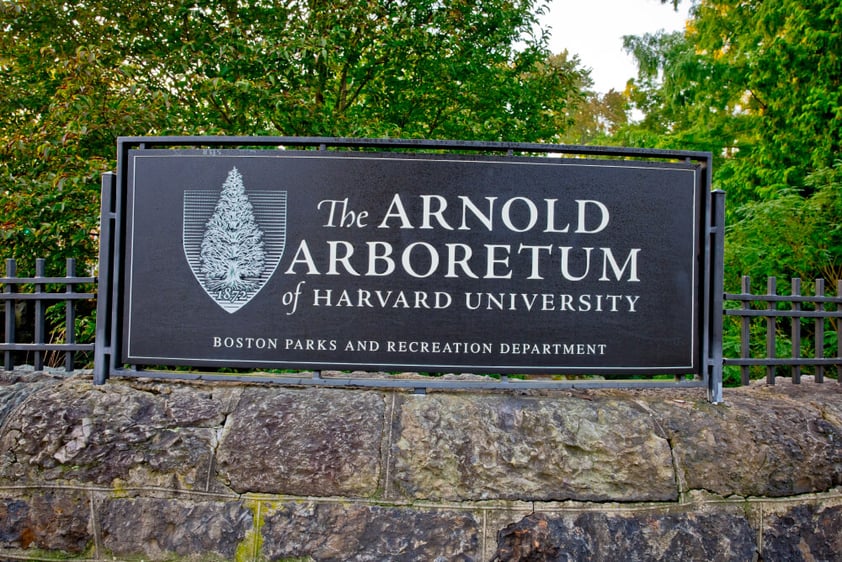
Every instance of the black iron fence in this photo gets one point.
(805, 327)
(34, 328)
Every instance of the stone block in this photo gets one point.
(56, 520)
(590, 448)
(17, 387)
(14, 515)
(691, 536)
(349, 532)
(772, 446)
(803, 533)
(105, 435)
(316, 442)
(161, 529)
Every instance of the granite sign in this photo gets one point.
(444, 262)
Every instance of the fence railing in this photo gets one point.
(41, 291)
(767, 309)
(806, 317)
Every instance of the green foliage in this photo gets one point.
(62, 104)
(597, 118)
(75, 74)
(757, 84)
(791, 235)
(784, 69)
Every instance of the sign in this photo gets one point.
(316, 259)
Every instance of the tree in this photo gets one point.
(232, 254)
(757, 84)
(793, 234)
(62, 105)
(597, 118)
(594, 116)
(75, 74)
(677, 92)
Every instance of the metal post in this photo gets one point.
(717, 295)
(796, 330)
(745, 335)
(839, 334)
(69, 316)
(819, 329)
(771, 328)
(40, 271)
(103, 349)
(9, 304)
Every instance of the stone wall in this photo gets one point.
(142, 470)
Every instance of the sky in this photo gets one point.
(594, 29)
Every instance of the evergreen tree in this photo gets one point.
(232, 249)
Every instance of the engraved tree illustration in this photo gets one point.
(232, 255)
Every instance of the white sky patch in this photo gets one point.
(594, 30)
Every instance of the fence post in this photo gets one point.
(40, 271)
(819, 330)
(796, 330)
(9, 305)
(69, 315)
(771, 327)
(745, 333)
(839, 333)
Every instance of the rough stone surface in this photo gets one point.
(158, 529)
(764, 441)
(17, 387)
(112, 434)
(52, 520)
(314, 442)
(14, 514)
(338, 533)
(456, 446)
(139, 470)
(803, 533)
(650, 537)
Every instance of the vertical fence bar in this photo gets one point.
(771, 327)
(9, 305)
(796, 331)
(40, 271)
(69, 316)
(745, 334)
(819, 330)
(839, 333)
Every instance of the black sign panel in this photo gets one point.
(441, 263)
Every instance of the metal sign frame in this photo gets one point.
(116, 276)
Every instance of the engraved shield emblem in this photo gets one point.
(233, 240)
